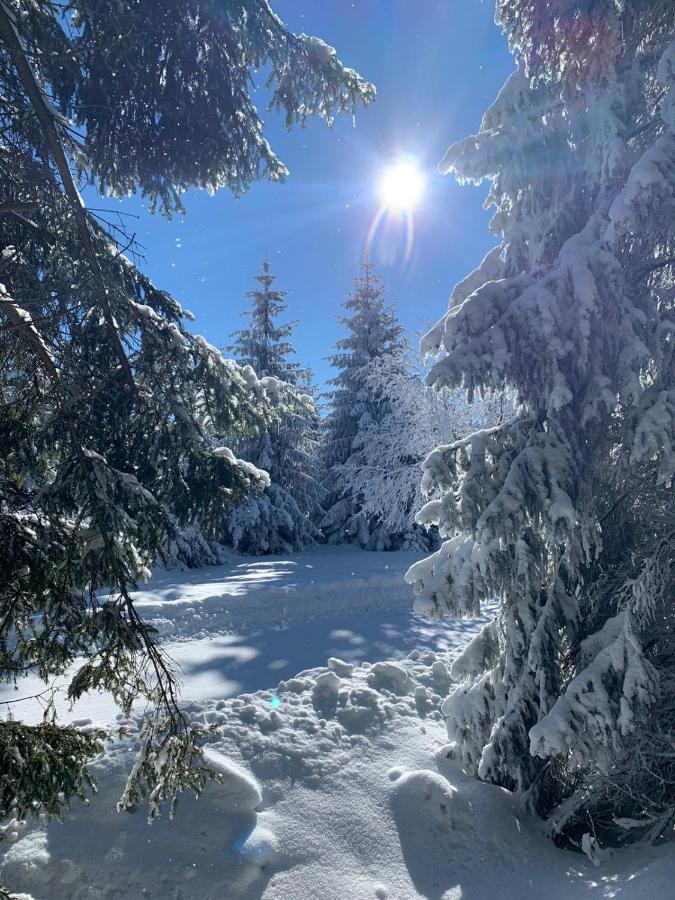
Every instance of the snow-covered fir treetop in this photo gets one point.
(264, 343)
(373, 331)
(373, 328)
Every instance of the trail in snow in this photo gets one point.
(270, 592)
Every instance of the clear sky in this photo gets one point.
(436, 64)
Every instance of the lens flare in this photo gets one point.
(400, 189)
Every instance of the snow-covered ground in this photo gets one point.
(340, 785)
(246, 625)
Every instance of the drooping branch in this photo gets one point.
(160, 664)
(48, 117)
(661, 263)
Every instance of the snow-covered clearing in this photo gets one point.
(338, 782)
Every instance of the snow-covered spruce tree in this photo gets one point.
(565, 511)
(188, 546)
(384, 469)
(107, 402)
(284, 517)
(373, 331)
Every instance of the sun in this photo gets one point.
(401, 186)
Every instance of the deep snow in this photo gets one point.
(248, 624)
(339, 781)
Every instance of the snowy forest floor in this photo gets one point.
(339, 785)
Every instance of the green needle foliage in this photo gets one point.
(108, 403)
(284, 517)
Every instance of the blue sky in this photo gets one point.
(436, 64)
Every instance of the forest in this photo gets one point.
(328, 600)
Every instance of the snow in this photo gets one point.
(235, 628)
(254, 473)
(277, 590)
(322, 52)
(339, 666)
(239, 791)
(388, 674)
(337, 778)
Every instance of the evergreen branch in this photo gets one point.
(165, 679)
(48, 118)
(657, 264)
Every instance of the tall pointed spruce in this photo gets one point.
(284, 517)
(373, 331)
(565, 512)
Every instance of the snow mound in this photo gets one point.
(328, 682)
(390, 674)
(253, 854)
(238, 791)
(340, 667)
(425, 797)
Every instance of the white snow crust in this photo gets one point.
(338, 781)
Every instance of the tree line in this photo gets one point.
(351, 475)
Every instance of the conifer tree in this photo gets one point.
(384, 471)
(565, 510)
(107, 402)
(284, 517)
(373, 331)
(264, 343)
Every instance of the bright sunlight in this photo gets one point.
(401, 186)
